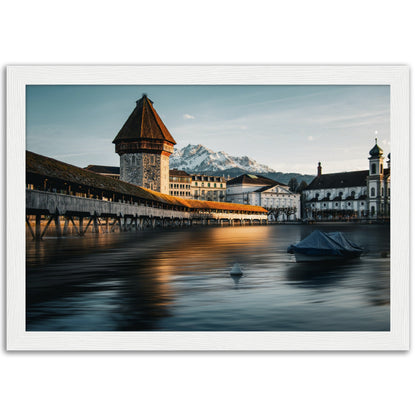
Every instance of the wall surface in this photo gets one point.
(148, 170)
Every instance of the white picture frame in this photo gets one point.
(395, 76)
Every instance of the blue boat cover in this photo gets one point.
(325, 244)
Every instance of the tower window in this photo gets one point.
(373, 192)
(373, 169)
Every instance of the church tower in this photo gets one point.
(144, 145)
(376, 191)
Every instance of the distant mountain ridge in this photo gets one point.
(199, 159)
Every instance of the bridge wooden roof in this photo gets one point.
(144, 123)
(49, 168)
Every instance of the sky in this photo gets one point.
(288, 128)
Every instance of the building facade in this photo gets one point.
(180, 183)
(281, 203)
(144, 145)
(208, 188)
(350, 195)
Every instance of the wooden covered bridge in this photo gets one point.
(76, 200)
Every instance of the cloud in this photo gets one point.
(188, 117)
(311, 138)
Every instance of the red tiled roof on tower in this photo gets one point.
(144, 123)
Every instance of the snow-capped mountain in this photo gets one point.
(197, 158)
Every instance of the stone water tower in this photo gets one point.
(144, 145)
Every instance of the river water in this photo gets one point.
(179, 280)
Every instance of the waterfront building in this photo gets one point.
(281, 203)
(361, 194)
(144, 145)
(57, 191)
(180, 183)
(208, 188)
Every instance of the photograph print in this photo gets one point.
(157, 208)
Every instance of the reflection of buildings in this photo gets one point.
(208, 188)
(349, 195)
(281, 203)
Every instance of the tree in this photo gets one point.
(293, 184)
(301, 187)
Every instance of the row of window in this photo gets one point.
(179, 186)
(207, 178)
(180, 193)
(340, 194)
(208, 192)
(208, 185)
(336, 204)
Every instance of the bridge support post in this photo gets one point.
(75, 226)
(30, 227)
(47, 226)
(81, 225)
(95, 222)
(37, 228)
(65, 232)
(58, 225)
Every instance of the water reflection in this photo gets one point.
(180, 280)
(236, 278)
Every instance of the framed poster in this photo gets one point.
(208, 208)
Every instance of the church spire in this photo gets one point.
(376, 151)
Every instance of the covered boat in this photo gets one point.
(319, 246)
